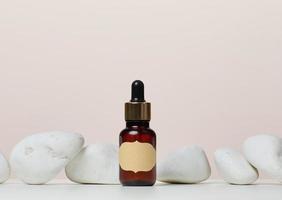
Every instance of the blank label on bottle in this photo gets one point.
(137, 156)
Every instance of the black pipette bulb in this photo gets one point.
(137, 91)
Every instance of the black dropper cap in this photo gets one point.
(137, 91)
(137, 109)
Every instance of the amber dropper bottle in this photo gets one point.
(137, 153)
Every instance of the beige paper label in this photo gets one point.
(137, 156)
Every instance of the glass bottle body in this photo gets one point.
(138, 131)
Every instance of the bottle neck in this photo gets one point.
(144, 124)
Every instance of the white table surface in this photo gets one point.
(211, 189)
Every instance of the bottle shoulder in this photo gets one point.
(136, 131)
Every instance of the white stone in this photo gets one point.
(233, 167)
(187, 165)
(265, 153)
(96, 163)
(40, 157)
(4, 169)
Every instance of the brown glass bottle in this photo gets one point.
(137, 142)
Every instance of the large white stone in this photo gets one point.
(4, 169)
(265, 153)
(96, 163)
(40, 157)
(187, 165)
(233, 167)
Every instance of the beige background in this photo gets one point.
(212, 69)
